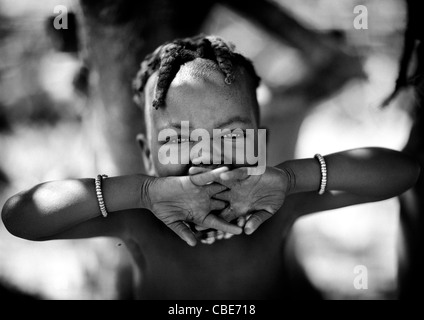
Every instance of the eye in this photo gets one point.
(234, 135)
(177, 140)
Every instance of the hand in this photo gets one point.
(176, 200)
(260, 196)
(209, 236)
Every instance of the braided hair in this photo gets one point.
(168, 58)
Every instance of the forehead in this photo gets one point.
(201, 96)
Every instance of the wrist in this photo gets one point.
(305, 174)
(289, 178)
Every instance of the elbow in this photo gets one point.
(13, 216)
(9, 212)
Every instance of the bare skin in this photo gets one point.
(144, 209)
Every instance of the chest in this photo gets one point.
(244, 266)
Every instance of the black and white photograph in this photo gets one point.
(211, 155)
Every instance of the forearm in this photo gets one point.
(376, 172)
(52, 207)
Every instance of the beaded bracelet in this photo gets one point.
(99, 194)
(324, 180)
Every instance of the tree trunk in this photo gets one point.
(117, 35)
(411, 253)
(411, 262)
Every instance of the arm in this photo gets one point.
(354, 177)
(50, 210)
(53, 207)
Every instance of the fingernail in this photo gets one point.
(241, 222)
(228, 236)
(196, 161)
(248, 230)
(191, 244)
(224, 176)
(221, 170)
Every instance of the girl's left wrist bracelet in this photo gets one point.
(99, 194)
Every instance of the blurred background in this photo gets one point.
(66, 111)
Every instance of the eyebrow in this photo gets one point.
(239, 119)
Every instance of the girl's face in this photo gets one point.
(205, 102)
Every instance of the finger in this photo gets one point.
(228, 236)
(183, 232)
(209, 237)
(211, 240)
(217, 223)
(207, 177)
(237, 174)
(224, 196)
(220, 235)
(228, 214)
(188, 225)
(255, 220)
(241, 222)
(196, 170)
(208, 241)
(214, 188)
(201, 159)
(200, 228)
(217, 205)
(211, 234)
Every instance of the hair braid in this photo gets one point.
(168, 59)
(169, 67)
(205, 49)
(224, 55)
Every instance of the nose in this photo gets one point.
(207, 157)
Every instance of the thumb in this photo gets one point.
(255, 220)
(208, 177)
(183, 232)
